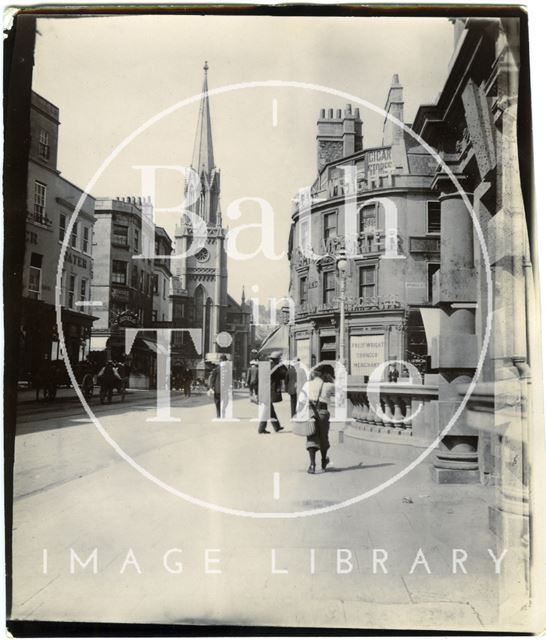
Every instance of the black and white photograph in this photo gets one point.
(314, 223)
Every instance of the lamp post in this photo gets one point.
(341, 265)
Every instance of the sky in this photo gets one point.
(109, 75)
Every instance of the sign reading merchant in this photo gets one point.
(367, 353)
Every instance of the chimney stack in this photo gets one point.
(339, 136)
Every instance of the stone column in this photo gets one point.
(455, 351)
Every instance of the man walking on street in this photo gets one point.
(276, 377)
(252, 376)
(215, 384)
(291, 385)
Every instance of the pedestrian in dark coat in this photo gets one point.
(277, 377)
(252, 376)
(291, 385)
(215, 384)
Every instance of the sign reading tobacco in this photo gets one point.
(367, 353)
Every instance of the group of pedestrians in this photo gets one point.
(315, 394)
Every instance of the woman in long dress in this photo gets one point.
(318, 391)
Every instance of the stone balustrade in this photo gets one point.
(406, 409)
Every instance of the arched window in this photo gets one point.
(198, 302)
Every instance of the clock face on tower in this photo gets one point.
(202, 255)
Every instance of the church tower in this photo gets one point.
(202, 278)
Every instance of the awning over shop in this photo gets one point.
(98, 343)
(277, 340)
(431, 322)
(77, 317)
(151, 345)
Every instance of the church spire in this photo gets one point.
(203, 155)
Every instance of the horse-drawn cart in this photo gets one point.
(53, 374)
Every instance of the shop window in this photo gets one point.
(119, 272)
(74, 236)
(40, 197)
(303, 290)
(85, 240)
(328, 347)
(71, 290)
(120, 235)
(433, 267)
(62, 226)
(328, 287)
(329, 225)
(35, 276)
(367, 282)
(43, 145)
(434, 221)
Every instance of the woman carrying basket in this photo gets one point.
(318, 391)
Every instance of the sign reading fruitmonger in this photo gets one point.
(367, 353)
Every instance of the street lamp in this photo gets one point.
(341, 265)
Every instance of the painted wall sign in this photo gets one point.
(367, 353)
(378, 160)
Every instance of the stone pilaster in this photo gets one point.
(455, 351)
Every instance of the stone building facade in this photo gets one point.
(474, 125)
(51, 201)
(375, 210)
(162, 278)
(123, 282)
(239, 326)
(465, 263)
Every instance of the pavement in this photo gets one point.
(163, 558)
(68, 394)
